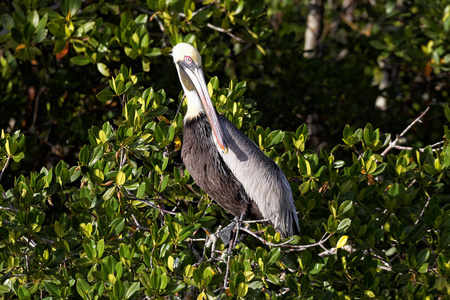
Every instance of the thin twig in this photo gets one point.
(154, 15)
(228, 32)
(164, 40)
(36, 108)
(133, 197)
(230, 249)
(4, 167)
(138, 226)
(256, 221)
(227, 272)
(423, 211)
(167, 199)
(122, 158)
(412, 183)
(421, 149)
(122, 100)
(197, 11)
(196, 254)
(333, 251)
(179, 106)
(324, 238)
(13, 209)
(196, 240)
(392, 144)
(160, 24)
(30, 242)
(437, 144)
(209, 25)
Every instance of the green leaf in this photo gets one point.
(97, 154)
(347, 132)
(9, 148)
(70, 7)
(242, 289)
(103, 69)
(423, 268)
(440, 283)
(89, 250)
(239, 8)
(378, 45)
(109, 193)
(345, 207)
(100, 248)
(84, 156)
(117, 226)
(186, 232)
(273, 138)
(164, 183)
(423, 256)
(18, 157)
(274, 255)
(7, 21)
(59, 229)
(343, 225)
(24, 294)
(132, 290)
(207, 221)
(52, 289)
(317, 268)
(124, 251)
(155, 279)
(447, 110)
(342, 241)
(80, 61)
(105, 96)
(4, 289)
(118, 289)
(120, 178)
(141, 190)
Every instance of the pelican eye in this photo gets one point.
(188, 59)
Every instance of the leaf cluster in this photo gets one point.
(127, 221)
(121, 218)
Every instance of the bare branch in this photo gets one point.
(256, 221)
(421, 149)
(13, 209)
(437, 144)
(324, 238)
(393, 144)
(196, 240)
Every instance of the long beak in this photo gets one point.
(197, 78)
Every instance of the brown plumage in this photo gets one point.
(210, 172)
(223, 161)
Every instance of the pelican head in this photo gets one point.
(189, 66)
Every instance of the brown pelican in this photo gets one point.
(223, 161)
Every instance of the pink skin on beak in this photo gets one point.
(198, 80)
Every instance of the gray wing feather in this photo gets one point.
(262, 179)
